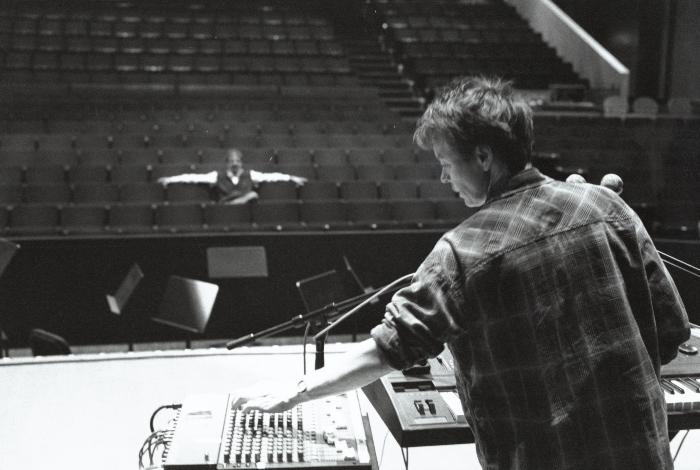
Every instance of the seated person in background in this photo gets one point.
(233, 183)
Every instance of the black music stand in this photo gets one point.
(118, 301)
(187, 305)
(7, 252)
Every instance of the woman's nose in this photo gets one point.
(444, 176)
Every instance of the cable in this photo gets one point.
(381, 458)
(680, 444)
(174, 406)
(680, 264)
(149, 446)
(306, 334)
(369, 299)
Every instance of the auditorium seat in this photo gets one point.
(129, 173)
(11, 174)
(304, 171)
(435, 190)
(141, 192)
(398, 189)
(335, 173)
(88, 174)
(131, 218)
(45, 193)
(366, 157)
(417, 171)
(45, 174)
(11, 193)
(277, 190)
(413, 214)
(188, 192)
(83, 219)
(324, 214)
(452, 211)
(96, 156)
(170, 156)
(276, 215)
(29, 219)
(615, 106)
(369, 214)
(134, 156)
(160, 171)
(357, 190)
(180, 217)
(289, 156)
(91, 193)
(315, 190)
(645, 106)
(375, 172)
(330, 156)
(228, 217)
(397, 156)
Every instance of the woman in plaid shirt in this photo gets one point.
(551, 297)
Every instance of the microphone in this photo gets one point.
(575, 178)
(613, 182)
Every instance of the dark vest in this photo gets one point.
(227, 190)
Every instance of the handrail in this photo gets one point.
(587, 56)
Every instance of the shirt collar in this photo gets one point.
(525, 179)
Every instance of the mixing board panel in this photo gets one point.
(321, 434)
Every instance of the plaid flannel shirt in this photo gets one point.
(558, 312)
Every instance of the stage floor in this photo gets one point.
(91, 411)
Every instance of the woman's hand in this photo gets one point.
(271, 397)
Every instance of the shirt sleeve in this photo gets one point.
(261, 177)
(423, 316)
(671, 317)
(205, 178)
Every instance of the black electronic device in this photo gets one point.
(211, 433)
(423, 409)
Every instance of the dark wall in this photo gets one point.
(60, 285)
(614, 24)
(640, 33)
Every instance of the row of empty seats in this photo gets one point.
(96, 165)
(88, 193)
(437, 41)
(136, 174)
(202, 139)
(50, 219)
(324, 113)
(262, 47)
(177, 63)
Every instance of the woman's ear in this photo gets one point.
(484, 156)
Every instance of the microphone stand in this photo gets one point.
(329, 312)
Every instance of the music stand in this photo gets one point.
(187, 305)
(318, 292)
(7, 252)
(118, 301)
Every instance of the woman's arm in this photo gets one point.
(363, 364)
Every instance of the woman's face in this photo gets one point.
(465, 173)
